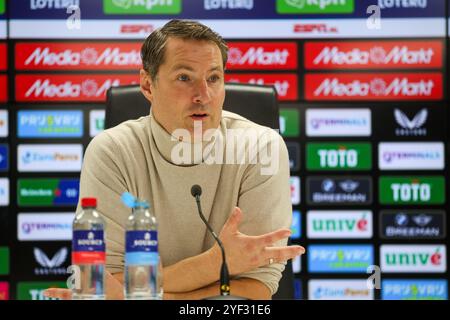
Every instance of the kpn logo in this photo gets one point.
(412, 190)
(315, 6)
(413, 258)
(339, 156)
(142, 6)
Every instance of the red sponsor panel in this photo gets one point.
(78, 56)
(4, 290)
(3, 88)
(68, 87)
(285, 84)
(88, 257)
(373, 86)
(262, 56)
(3, 57)
(347, 55)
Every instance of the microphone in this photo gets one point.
(196, 192)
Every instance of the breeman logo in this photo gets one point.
(239, 146)
(77, 56)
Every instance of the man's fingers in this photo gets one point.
(233, 221)
(271, 237)
(63, 294)
(279, 254)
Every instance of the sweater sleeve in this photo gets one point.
(265, 201)
(102, 177)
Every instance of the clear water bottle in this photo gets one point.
(143, 274)
(88, 252)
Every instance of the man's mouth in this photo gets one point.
(199, 116)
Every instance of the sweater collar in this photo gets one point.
(184, 153)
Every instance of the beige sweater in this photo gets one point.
(135, 156)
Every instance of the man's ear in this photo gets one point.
(146, 85)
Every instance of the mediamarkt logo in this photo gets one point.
(285, 84)
(68, 88)
(407, 86)
(262, 55)
(373, 55)
(87, 56)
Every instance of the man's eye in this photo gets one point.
(214, 78)
(183, 77)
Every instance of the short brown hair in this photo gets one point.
(153, 48)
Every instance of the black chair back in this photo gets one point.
(254, 102)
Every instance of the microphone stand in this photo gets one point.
(224, 274)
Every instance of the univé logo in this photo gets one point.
(260, 55)
(339, 224)
(413, 258)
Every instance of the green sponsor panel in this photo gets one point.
(315, 6)
(4, 261)
(289, 122)
(36, 192)
(339, 156)
(34, 290)
(412, 190)
(2, 6)
(142, 6)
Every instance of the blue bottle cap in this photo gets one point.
(128, 199)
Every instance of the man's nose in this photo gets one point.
(202, 93)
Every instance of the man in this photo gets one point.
(183, 78)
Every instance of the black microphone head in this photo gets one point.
(196, 190)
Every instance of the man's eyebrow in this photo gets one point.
(178, 67)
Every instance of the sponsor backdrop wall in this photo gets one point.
(364, 113)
